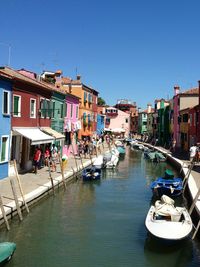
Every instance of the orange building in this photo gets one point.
(88, 105)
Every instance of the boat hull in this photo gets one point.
(6, 251)
(169, 187)
(91, 174)
(167, 230)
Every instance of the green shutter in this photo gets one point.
(16, 105)
(3, 149)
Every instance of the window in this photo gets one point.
(126, 120)
(6, 103)
(71, 110)
(33, 108)
(61, 110)
(16, 106)
(53, 109)
(42, 108)
(85, 97)
(185, 117)
(48, 108)
(107, 120)
(76, 112)
(4, 148)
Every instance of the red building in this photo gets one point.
(31, 110)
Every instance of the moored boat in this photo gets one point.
(91, 174)
(6, 251)
(167, 222)
(167, 185)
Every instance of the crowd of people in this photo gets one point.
(48, 157)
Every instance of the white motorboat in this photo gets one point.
(112, 163)
(98, 162)
(167, 222)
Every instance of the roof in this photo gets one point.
(191, 91)
(19, 76)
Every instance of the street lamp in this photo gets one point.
(9, 51)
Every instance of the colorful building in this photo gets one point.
(129, 107)
(181, 101)
(5, 123)
(31, 113)
(117, 121)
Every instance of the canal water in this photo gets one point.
(98, 224)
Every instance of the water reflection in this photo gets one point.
(162, 254)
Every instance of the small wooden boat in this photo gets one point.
(156, 156)
(167, 185)
(6, 251)
(91, 174)
(172, 187)
(167, 222)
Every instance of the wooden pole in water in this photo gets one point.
(51, 177)
(20, 186)
(196, 231)
(81, 162)
(16, 199)
(75, 158)
(185, 180)
(62, 172)
(4, 214)
(194, 202)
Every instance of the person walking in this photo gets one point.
(193, 152)
(54, 158)
(36, 159)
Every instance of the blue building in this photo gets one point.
(5, 124)
(100, 123)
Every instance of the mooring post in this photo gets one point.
(50, 176)
(194, 202)
(74, 158)
(62, 172)
(20, 186)
(196, 231)
(4, 214)
(16, 199)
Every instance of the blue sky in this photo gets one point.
(130, 49)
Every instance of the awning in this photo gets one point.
(52, 132)
(118, 130)
(36, 136)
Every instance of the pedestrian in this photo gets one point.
(54, 158)
(174, 145)
(36, 159)
(193, 152)
(46, 156)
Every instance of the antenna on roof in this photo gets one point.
(76, 70)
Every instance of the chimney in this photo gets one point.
(78, 77)
(148, 108)
(176, 90)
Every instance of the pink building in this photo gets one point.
(116, 120)
(72, 124)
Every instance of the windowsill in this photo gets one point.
(6, 115)
(2, 162)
